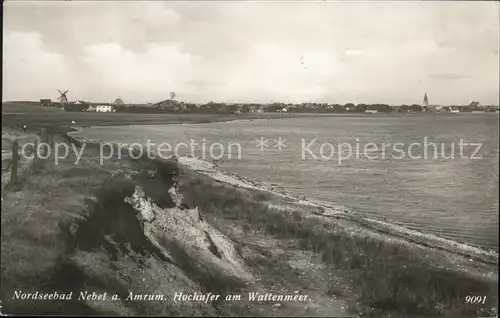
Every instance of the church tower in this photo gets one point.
(426, 101)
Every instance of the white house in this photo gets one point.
(371, 111)
(104, 108)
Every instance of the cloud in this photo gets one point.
(150, 74)
(253, 51)
(353, 52)
(29, 71)
(450, 76)
(272, 72)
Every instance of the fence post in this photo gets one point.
(35, 149)
(15, 162)
(44, 134)
(44, 139)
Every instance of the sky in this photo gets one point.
(241, 51)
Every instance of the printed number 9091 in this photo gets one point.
(475, 299)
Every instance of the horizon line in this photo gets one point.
(247, 103)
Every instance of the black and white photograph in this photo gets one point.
(280, 158)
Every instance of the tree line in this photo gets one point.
(174, 106)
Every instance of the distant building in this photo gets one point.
(104, 108)
(426, 107)
(255, 109)
(167, 104)
(475, 104)
(371, 111)
(45, 102)
(118, 101)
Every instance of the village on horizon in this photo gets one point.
(175, 106)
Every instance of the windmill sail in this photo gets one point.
(63, 98)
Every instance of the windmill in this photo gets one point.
(172, 95)
(63, 98)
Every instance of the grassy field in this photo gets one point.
(16, 115)
(66, 228)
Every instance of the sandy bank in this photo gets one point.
(330, 211)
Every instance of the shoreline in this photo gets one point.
(329, 210)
